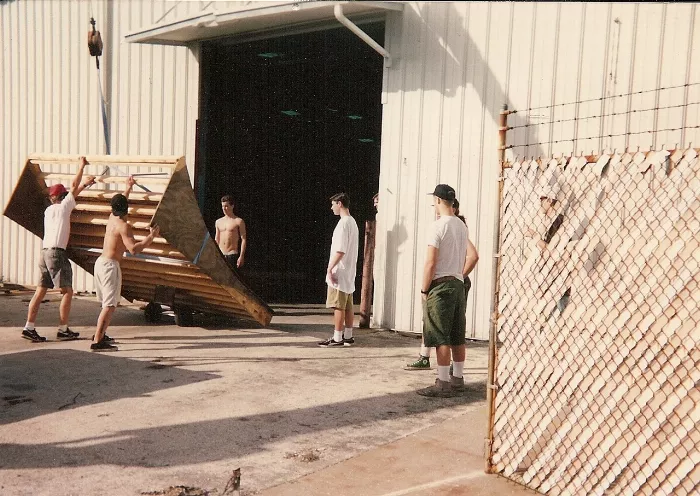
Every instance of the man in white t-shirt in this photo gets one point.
(442, 289)
(423, 362)
(54, 266)
(340, 276)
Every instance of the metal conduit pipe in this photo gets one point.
(338, 11)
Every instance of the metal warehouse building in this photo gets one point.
(281, 105)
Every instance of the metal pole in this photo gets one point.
(491, 386)
(367, 274)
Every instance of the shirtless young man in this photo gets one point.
(119, 237)
(229, 230)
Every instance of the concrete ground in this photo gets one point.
(187, 406)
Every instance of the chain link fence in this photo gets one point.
(598, 325)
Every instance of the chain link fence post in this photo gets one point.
(491, 387)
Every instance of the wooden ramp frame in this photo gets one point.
(183, 268)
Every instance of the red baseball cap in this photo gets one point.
(57, 190)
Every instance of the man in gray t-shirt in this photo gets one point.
(442, 289)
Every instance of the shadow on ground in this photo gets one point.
(183, 444)
(342, 399)
(44, 381)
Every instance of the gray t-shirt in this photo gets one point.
(449, 235)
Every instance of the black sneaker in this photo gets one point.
(105, 338)
(32, 335)
(103, 346)
(330, 342)
(67, 335)
(348, 341)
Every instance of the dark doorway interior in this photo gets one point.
(285, 123)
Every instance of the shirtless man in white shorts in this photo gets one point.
(119, 237)
(229, 230)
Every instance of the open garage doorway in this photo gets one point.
(285, 123)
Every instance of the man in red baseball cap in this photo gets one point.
(54, 266)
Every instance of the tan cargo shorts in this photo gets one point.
(337, 299)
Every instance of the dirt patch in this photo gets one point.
(307, 455)
(178, 491)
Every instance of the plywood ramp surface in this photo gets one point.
(183, 267)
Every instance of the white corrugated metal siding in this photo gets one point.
(49, 98)
(457, 63)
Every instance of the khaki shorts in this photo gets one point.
(337, 299)
(55, 269)
(108, 282)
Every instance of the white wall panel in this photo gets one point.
(388, 223)
(406, 229)
(621, 66)
(692, 112)
(530, 56)
(49, 99)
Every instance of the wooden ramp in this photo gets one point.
(183, 268)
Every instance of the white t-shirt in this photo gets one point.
(449, 235)
(57, 223)
(345, 239)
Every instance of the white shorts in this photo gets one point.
(108, 282)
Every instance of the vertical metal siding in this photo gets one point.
(475, 177)
(385, 266)
(49, 98)
(458, 63)
(402, 206)
(455, 65)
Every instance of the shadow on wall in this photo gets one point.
(398, 234)
(466, 58)
(475, 69)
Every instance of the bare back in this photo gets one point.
(228, 233)
(114, 246)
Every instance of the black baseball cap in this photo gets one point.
(444, 192)
(120, 205)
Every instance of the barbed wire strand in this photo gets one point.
(603, 136)
(687, 85)
(601, 115)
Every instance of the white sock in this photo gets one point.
(457, 369)
(29, 325)
(348, 333)
(337, 336)
(63, 328)
(425, 351)
(443, 372)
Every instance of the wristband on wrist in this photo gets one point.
(424, 292)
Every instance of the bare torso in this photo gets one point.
(229, 233)
(113, 246)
